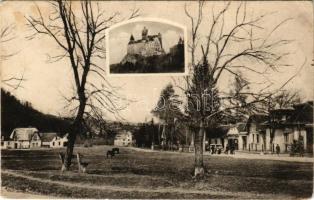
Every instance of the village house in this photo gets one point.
(123, 138)
(52, 140)
(256, 138)
(288, 125)
(22, 138)
(237, 136)
(6, 143)
(281, 127)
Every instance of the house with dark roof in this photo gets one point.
(288, 125)
(53, 140)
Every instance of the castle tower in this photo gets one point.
(144, 33)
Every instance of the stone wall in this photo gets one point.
(146, 48)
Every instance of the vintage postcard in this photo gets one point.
(156, 99)
(146, 46)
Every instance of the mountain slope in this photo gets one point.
(15, 114)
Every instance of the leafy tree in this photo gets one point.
(168, 111)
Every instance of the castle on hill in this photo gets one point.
(148, 45)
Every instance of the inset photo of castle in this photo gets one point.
(146, 46)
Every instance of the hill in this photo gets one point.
(172, 62)
(15, 113)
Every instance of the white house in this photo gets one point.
(256, 139)
(52, 140)
(237, 136)
(6, 144)
(123, 138)
(23, 138)
(289, 125)
(282, 127)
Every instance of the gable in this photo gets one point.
(23, 134)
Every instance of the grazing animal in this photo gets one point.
(110, 153)
(115, 150)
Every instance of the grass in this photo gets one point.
(156, 170)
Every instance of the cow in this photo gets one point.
(115, 150)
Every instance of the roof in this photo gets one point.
(23, 133)
(258, 118)
(303, 112)
(149, 38)
(236, 129)
(220, 131)
(47, 137)
(123, 134)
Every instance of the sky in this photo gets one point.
(119, 36)
(47, 82)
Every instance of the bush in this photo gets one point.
(297, 147)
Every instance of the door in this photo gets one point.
(244, 142)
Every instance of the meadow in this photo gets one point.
(140, 174)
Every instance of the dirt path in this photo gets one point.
(240, 195)
(5, 194)
(238, 154)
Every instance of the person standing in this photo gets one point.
(277, 149)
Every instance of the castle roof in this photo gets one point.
(149, 38)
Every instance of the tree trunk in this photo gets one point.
(76, 128)
(69, 151)
(199, 166)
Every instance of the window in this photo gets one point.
(2, 143)
(253, 138)
(59, 143)
(257, 138)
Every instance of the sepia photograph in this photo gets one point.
(156, 99)
(146, 46)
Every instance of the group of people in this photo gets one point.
(214, 150)
(230, 148)
(218, 150)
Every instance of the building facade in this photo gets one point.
(53, 140)
(123, 138)
(22, 138)
(148, 45)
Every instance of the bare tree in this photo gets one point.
(7, 35)
(240, 47)
(80, 35)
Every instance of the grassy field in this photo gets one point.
(136, 174)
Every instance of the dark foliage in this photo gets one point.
(168, 63)
(15, 114)
(146, 134)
